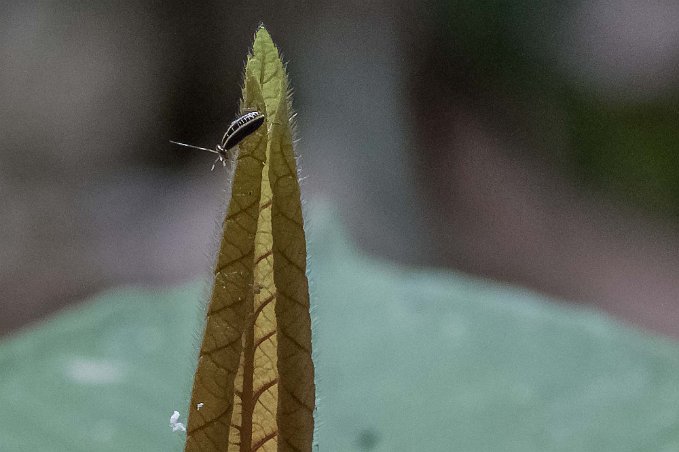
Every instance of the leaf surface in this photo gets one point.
(255, 376)
(296, 389)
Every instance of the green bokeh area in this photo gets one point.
(630, 150)
(626, 147)
(406, 360)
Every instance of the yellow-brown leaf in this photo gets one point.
(255, 375)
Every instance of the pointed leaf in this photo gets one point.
(259, 384)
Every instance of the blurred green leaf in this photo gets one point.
(406, 360)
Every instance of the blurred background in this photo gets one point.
(531, 142)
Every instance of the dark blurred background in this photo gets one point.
(531, 142)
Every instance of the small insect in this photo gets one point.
(240, 128)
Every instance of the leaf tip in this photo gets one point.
(262, 34)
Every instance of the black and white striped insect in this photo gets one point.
(240, 128)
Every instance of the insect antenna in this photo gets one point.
(194, 147)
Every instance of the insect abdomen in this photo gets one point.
(241, 127)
